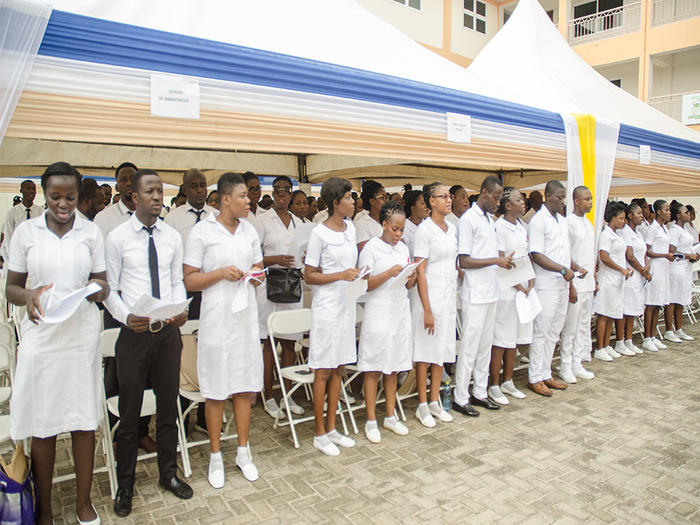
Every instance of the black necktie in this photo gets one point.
(29, 213)
(129, 213)
(153, 263)
(198, 213)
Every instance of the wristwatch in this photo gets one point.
(563, 270)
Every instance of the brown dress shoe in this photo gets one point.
(540, 388)
(147, 444)
(556, 384)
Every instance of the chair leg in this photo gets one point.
(110, 463)
(347, 404)
(182, 437)
(400, 407)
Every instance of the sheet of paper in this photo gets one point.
(239, 301)
(527, 306)
(58, 310)
(300, 241)
(644, 154)
(696, 248)
(399, 281)
(354, 291)
(521, 272)
(157, 309)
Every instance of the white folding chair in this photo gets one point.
(294, 322)
(195, 398)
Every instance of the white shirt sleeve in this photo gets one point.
(178, 283)
(674, 233)
(366, 258)
(18, 252)
(501, 236)
(313, 250)
(605, 243)
(465, 236)
(535, 235)
(256, 246)
(114, 302)
(421, 244)
(362, 231)
(194, 251)
(98, 253)
(650, 235)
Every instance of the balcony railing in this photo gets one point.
(613, 22)
(671, 105)
(667, 11)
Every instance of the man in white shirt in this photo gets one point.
(115, 214)
(576, 335)
(548, 243)
(478, 258)
(254, 191)
(18, 214)
(145, 255)
(460, 203)
(90, 199)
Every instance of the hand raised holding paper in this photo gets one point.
(231, 273)
(34, 309)
(506, 261)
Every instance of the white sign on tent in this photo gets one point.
(174, 97)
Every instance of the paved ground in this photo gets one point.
(622, 448)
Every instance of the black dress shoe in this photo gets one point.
(122, 503)
(466, 410)
(486, 403)
(178, 487)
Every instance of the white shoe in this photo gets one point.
(293, 407)
(509, 388)
(217, 476)
(244, 461)
(567, 375)
(681, 334)
(373, 435)
(396, 426)
(440, 414)
(95, 521)
(325, 445)
(582, 373)
(621, 348)
(497, 396)
(602, 354)
(612, 352)
(427, 421)
(658, 343)
(629, 344)
(273, 409)
(671, 336)
(340, 440)
(649, 346)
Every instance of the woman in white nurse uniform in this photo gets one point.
(367, 224)
(656, 293)
(434, 310)
(680, 273)
(330, 262)
(276, 230)
(58, 382)
(385, 339)
(220, 250)
(416, 212)
(612, 273)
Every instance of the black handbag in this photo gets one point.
(284, 285)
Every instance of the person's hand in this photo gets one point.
(34, 309)
(506, 261)
(647, 269)
(520, 288)
(647, 275)
(573, 296)
(231, 273)
(582, 272)
(411, 281)
(138, 324)
(429, 322)
(395, 270)
(627, 273)
(669, 256)
(101, 296)
(694, 257)
(178, 320)
(350, 274)
(569, 275)
(285, 260)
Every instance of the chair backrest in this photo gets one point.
(108, 339)
(189, 327)
(289, 322)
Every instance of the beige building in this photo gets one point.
(649, 48)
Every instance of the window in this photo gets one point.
(415, 4)
(589, 26)
(617, 82)
(475, 16)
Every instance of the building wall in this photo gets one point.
(627, 72)
(465, 41)
(424, 25)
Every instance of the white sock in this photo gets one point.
(216, 458)
(242, 455)
(423, 410)
(435, 406)
(371, 424)
(628, 341)
(391, 420)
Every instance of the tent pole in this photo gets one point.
(302, 175)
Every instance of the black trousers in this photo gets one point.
(141, 357)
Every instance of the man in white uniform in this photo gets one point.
(576, 335)
(23, 211)
(548, 243)
(115, 214)
(478, 258)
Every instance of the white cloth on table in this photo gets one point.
(385, 338)
(229, 356)
(183, 218)
(680, 272)
(276, 239)
(332, 335)
(656, 292)
(549, 235)
(58, 382)
(440, 249)
(610, 298)
(367, 228)
(583, 252)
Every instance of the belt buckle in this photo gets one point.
(156, 326)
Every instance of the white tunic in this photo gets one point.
(409, 234)
(112, 216)
(680, 273)
(511, 238)
(657, 290)
(229, 356)
(476, 236)
(367, 228)
(276, 239)
(610, 299)
(58, 382)
(549, 235)
(440, 250)
(183, 218)
(385, 339)
(634, 286)
(583, 252)
(332, 336)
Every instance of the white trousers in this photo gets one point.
(546, 330)
(478, 323)
(576, 335)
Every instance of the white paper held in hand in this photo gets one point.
(527, 306)
(521, 272)
(157, 309)
(300, 241)
(58, 310)
(400, 280)
(239, 301)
